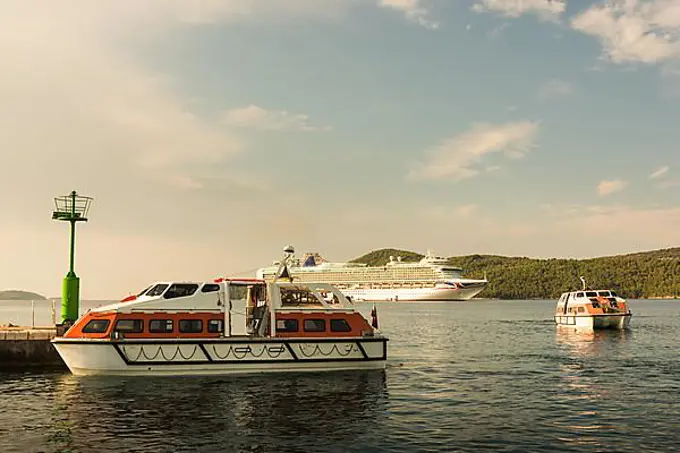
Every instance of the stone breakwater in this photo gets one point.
(26, 347)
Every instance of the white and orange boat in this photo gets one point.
(592, 309)
(226, 326)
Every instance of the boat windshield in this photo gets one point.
(139, 294)
(157, 290)
(298, 296)
(603, 293)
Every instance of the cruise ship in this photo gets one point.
(430, 279)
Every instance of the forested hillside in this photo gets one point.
(639, 275)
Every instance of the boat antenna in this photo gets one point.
(282, 271)
(583, 281)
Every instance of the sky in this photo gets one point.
(213, 133)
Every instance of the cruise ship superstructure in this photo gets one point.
(432, 278)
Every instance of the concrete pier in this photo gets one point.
(28, 348)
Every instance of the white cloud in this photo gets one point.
(634, 31)
(498, 31)
(549, 10)
(615, 229)
(555, 89)
(461, 156)
(256, 117)
(659, 172)
(605, 188)
(413, 10)
(466, 210)
(669, 184)
(82, 109)
(592, 230)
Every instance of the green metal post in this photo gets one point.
(70, 298)
(73, 209)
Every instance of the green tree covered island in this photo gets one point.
(653, 274)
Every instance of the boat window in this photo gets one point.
(216, 325)
(180, 290)
(190, 325)
(603, 293)
(315, 325)
(614, 294)
(340, 325)
(579, 294)
(298, 296)
(581, 309)
(591, 294)
(130, 325)
(161, 326)
(210, 288)
(157, 290)
(287, 325)
(139, 294)
(96, 326)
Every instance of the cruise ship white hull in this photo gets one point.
(412, 294)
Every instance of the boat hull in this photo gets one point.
(220, 356)
(413, 294)
(604, 321)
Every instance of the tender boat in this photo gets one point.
(592, 309)
(225, 326)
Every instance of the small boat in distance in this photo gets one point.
(592, 309)
(225, 326)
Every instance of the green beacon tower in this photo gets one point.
(71, 208)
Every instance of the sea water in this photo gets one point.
(462, 377)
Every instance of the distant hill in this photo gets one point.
(653, 274)
(20, 295)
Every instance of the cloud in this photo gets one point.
(593, 230)
(256, 117)
(413, 10)
(634, 31)
(548, 10)
(466, 210)
(605, 188)
(615, 229)
(658, 173)
(555, 89)
(498, 31)
(460, 157)
(669, 184)
(83, 109)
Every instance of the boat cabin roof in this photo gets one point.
(590, 293)
(192, 295)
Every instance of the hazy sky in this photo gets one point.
(212, 133)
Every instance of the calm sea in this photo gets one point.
(463, 376)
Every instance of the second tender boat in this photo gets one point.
(592, 309)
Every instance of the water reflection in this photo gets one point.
(259, 413)
(582, 389)
(590, 343)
